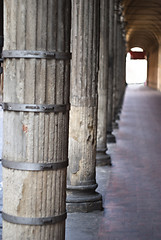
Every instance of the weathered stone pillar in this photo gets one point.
(120, 78)
(1, 45)
(36, 105)
(110, 137)
(115, 76)
(1, 25)
(119, 68)
(102, 158)
(122, 68)
(81, 195)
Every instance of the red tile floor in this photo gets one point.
(131, 188)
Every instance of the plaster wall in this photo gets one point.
(159, 67)
(153, 69)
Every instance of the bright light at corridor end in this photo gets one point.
(136, 70)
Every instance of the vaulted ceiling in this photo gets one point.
(142, 23)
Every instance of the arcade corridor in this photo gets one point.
(66, 147)
(131, 188)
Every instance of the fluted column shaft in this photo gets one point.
(110, 137)
(1, 45)
(83, 116)
(115, 63)
(115, 56)
(40, 30)
(102, 157)
(120, 67)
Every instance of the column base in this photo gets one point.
(111, 138)
(120, 110)
(115, 125)
(118, 117)
(103, 159)
(79, 199)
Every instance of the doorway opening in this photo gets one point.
(136, 66)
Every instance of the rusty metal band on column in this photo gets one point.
(36, 54)
(45, 108)
(26, 166)
(33, 221)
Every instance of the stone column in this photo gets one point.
(119, 69)
(122, 68)
(102, 158)
(1, 45)
(115, 76)
(81, 195)
(36, 106)
(120, 78)
(110, 137)
(1, 25)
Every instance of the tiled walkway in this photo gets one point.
(132, 190)
(133, 198)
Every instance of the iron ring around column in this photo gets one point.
(26, 166)
(36, 54)
(45, 108)
(33, 221)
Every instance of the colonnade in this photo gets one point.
(43, 85)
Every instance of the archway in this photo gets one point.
(136, 66)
